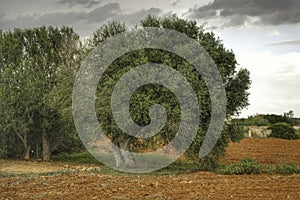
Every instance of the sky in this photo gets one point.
(264, 35)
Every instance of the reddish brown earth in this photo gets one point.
(265, 150)
(83, 183)
(200, 185)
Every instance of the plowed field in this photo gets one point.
(83, 183)
(265, 150)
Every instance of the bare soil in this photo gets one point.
(264, 150)
(83, 183)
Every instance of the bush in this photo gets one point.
(236, 132)
(246, 166)
(285, 169)
(283, 130)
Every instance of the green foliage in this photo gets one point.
(68, 143)
(153, 160)
(32, 89)
(236, 132)
(246, 166)
(78, 158)
(101, 34)
(298, 132)
(37, 72)
(237, 83)
(268, 119)
(285, 169)
(283, 130)
(178, 167)
(149, 160)
(256, 120)
(5, 175)
(272, 118)
(249, 166)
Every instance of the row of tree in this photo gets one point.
(37, 72)
(268, 119)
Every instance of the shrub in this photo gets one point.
(289, 168)
(257, 120)
(5, 174)
(283, 130)
(246, 166)
(236, 132)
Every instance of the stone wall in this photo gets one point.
(257, 131)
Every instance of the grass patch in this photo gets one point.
(5, 174)
(249, 166)
(176, 168)
(245, 166)
(286, 169)
(147, 161)
(78, 158)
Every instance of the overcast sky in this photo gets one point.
(264, 34)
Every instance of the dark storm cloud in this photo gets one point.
(286, 43)
(97, 15)
(83, 22)
(86, 3)
(237, 12)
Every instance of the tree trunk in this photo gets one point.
(128, 159)
(27, 153)
(118, 156)
(37, 150)
(122, 155)
(26, 146)
(46, 147)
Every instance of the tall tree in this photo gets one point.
(32, 61)
(17, 89)
(236, 82)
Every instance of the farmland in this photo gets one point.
(59, 180)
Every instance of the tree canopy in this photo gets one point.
(33, 62)
(37, 72)
(236, 85)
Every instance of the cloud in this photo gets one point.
(83, 22)
(275, 82)
(286, 43)
(97, 15)
(102, 13)
(176, 2)
(72, 3)
(274, 33)
(135, 18)
(241, 12)
(1, 16)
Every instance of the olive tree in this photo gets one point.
(236, 83)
